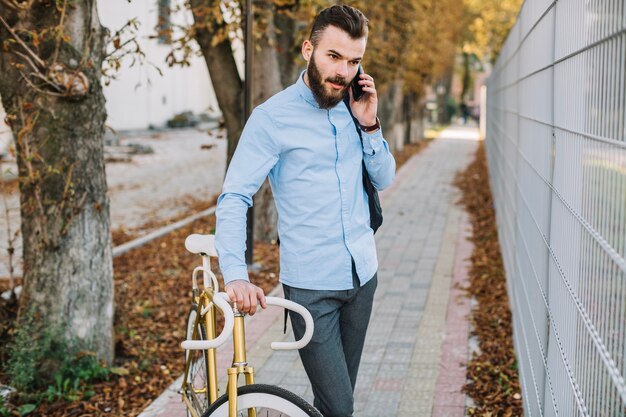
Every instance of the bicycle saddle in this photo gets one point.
(204, 244)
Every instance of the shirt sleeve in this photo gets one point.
(256, 154)
(379, 161)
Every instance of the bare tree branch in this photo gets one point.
(39, 90)
(10, 4)
(27, 59)
(33, 55)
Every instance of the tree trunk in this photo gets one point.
(220, 62)
(391, 111)
(265, 83)
(467, 76)
(57, 118)
(444, 112)
(287, 49)
(417, 119)
(228, 87)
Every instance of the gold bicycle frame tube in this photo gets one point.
(186, 384)
(211, 387)
(239, 341)
(210, 325)
(239, 366)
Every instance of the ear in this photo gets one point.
(307, 50)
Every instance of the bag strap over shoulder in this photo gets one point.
(376, 211)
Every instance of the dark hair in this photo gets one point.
(347, 18)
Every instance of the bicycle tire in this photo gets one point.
(269, 400)
(199, 364)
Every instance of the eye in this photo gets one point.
(333, 56)
(354, 62)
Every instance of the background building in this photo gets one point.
(142, 96)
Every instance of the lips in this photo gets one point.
(336, 86)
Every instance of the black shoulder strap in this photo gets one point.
(346, 101)
(376, 212)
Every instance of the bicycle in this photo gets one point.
(200, 383)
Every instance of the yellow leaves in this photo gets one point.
(490, 22)
(119, 371)
(284, 3)
(412, 40)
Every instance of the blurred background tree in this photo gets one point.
(412, 43)
(485, 26)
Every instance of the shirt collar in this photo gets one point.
(305, 91)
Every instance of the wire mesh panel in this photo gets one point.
(556, 144)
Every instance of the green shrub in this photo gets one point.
(4, 411)
(33, 350)
(42, 365)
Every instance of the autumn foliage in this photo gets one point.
(492, 372)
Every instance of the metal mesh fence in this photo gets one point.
(556, 144)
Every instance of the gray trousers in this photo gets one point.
(332, 358)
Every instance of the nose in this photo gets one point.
(342, 69)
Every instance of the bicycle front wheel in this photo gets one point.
(267, 400)
(198, 367)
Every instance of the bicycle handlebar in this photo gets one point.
(308, 321)
(220, 300)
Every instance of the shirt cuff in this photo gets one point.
(372, 142)
(234, 273)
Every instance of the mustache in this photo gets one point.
(338, 80)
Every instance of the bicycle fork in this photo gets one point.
(240, 366)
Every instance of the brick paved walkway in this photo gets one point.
(417, 340)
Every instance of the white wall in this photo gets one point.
(5, 132)
(140, 97)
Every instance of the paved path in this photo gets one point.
(418, 336)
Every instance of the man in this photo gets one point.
(306, 141)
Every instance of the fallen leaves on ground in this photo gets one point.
(492, 372)
(152, 300)
(191, 205)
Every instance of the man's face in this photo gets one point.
(332, 65)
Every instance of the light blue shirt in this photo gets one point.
(313, 159)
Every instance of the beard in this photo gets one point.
(325, 99)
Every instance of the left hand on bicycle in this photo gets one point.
(245, 295)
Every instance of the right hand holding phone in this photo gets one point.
(365, 108)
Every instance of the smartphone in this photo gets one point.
(357, 89)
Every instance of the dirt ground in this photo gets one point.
(187, 166)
